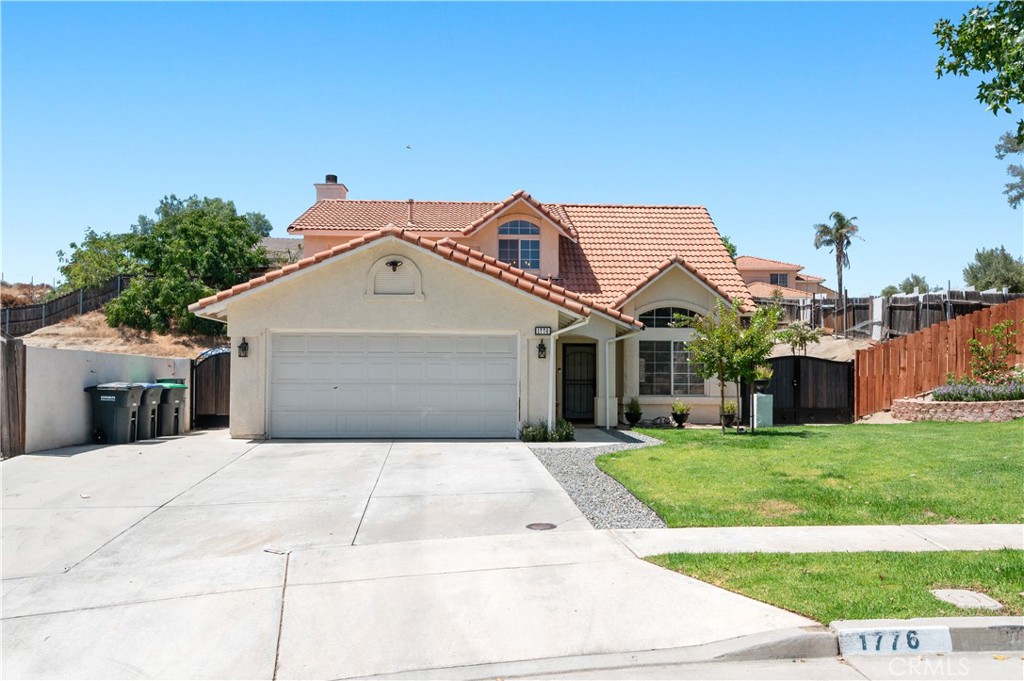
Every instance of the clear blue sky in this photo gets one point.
(771, 115)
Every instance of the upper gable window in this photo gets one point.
(660, 318)
(523, 252)
(778, 279)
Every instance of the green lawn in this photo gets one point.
(873, 585)
(830, 475)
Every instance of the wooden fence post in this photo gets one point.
(12, 420)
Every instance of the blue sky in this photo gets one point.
(772, 115)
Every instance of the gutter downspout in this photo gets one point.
(551, 366)
(607, 379)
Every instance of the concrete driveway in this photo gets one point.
(205, 557)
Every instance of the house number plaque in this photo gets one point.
(542, 330)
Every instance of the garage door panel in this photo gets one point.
(399, 385)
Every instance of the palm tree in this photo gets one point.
(838, 236)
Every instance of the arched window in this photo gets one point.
(394, 276)
(665, 364)
(661, 317)
(522, 252)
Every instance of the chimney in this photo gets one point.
(330, 189)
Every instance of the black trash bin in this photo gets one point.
(149, 405)
(115, 412)
(172, 408)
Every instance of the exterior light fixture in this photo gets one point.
(243, 348)
(394, 264)
(542, 350)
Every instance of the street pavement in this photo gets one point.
(205, 557)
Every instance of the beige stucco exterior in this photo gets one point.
(331, 297)
(674, 288)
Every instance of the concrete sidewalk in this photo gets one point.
(814, 539)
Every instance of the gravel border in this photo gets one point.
(605, 503)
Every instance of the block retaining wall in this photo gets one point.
(974, 412)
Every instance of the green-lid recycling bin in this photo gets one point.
(149, 405)
(171, 412)
(115, 412)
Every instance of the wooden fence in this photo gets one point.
(18, 321)
(12, 414)
(918, 362)
(902, 315)
(822, 313)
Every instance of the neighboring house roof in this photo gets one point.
(275, 243)
(762, 289)
(809, 278)
(750, 262)
(448, 249)
(621, 248)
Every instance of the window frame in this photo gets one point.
(527, 250)
(779, 279)
(693, 386)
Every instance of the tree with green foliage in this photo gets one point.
(193, 249)
(730, 246)
(995, 268)
(913, 284)
(725, 348)
(838, 238)
(798, 335)
(987, 41)
(889, 290)
(1014, 191)
(95, 260)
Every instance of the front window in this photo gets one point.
(778, 279)
(662, 317)
(666, 369)
(523, 253)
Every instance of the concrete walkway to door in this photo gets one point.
(201, 556)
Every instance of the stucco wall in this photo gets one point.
(331, 297)
(486, 239)
(675, 288)
(58, 411)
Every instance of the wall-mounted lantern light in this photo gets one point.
(394, 264)
(243, 348)
(542, 350)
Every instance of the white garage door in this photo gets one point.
(393, 385)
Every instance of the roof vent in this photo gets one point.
(411, 204)
(330, 189)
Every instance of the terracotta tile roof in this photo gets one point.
(565, 226)
(809, 278)
(427, 216)
(621, 248)
(761, 289)
(750, 262)
(449, 250)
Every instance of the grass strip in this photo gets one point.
(862, 585)
(919, 473)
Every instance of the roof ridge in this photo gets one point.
(634, 205)
(777, 262)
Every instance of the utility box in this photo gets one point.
(764, 405)
(149, 405)
(171, 412)
(115, 412)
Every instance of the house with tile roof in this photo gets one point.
(466, 319)
(764, 277)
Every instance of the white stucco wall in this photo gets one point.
(57, 408)
(331, 297)
(675, 288)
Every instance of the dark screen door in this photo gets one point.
(579, 382)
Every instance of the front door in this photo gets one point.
(579, 382)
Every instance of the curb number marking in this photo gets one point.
(895, 641)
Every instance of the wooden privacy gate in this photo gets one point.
(211, 388)
(811, 390)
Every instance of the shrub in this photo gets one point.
(564, 431)
(633, 405)
(729, 407)
(975, 391)
(680, 407)
(990, 362)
